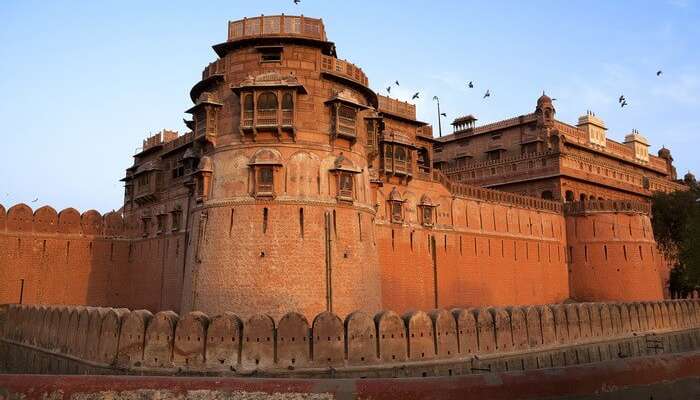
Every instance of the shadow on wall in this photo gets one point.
(69, 258)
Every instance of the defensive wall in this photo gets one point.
(66, 257)
(91, 340)
(612, 252)
(485, 248)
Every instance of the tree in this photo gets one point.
(676, 224)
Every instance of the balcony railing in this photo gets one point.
(287, 117)
(247, 119)
(266, 118)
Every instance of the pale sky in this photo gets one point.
(84, 82)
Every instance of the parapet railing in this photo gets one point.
(398, 107)
(582, 207)
(343, 68)
(479, 193)
(194, 342)
(276, 25)
(21, 219)
(492, 163)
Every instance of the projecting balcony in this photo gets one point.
(398, 167)
(346, 128)
(268, 120)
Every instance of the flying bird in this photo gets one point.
(388, 89)
(554, 99)
(297, 1)
(624, 103)
(471, 85)
(659, 72)
(487, 94)
(621, 99)
(397, 83)
(35, 200)
(444, 114)
(415, 96)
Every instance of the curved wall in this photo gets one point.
(252, 253)
(613, 256)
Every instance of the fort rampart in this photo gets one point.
(70, 339)
(72, 258)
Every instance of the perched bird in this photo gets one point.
(624, 103)
(35, 200)
(659, 72)
(397, 83)
(621, 99)
(415, 96)
(471, 85)
(444, 114)
(487, 94)
(388, 89)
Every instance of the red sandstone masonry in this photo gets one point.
(197, 343)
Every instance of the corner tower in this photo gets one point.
(283, 215)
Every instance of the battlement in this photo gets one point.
(626, 206)
(276, 25)
(45, 220)
(158, 139)
(397, 107)
(477, 339)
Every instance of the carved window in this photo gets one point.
(287, 109)
(396, 211)
(248, 110)
(494, 155)
(371, 134)
(267, 109)
(264, 180)
(400, 154)
(270, 55)
(145, 225)
(423, 160)
(345, 185)
(345, 120)
(428, 216)
(175, 220)
(161, 222)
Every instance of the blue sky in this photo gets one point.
(83, 82)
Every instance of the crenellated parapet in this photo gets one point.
(478, 339)
(20, 218)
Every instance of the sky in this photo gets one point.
(84, 82)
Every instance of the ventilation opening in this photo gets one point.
(301, 222)
(264, 227)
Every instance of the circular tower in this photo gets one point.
(283, 219)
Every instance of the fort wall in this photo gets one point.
(89, 339)
(479, 252)
(73, 258)
(612, 252)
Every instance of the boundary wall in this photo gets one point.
(72, 258)
(69, 339)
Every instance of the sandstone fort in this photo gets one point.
(301, 191)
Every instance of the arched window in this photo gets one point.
(267, 101)
(248, 103)
(569, 196)
(400, 154)
(287, 102)
(547, 195)
(582, 197)
(388, 151)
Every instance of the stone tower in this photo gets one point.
(283, 216)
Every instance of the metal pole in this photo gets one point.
(439, 118)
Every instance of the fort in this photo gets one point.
(300, 194)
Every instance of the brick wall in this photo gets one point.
(73, 258)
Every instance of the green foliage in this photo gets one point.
(676, 224)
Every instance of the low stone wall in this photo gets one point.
(112, 340)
